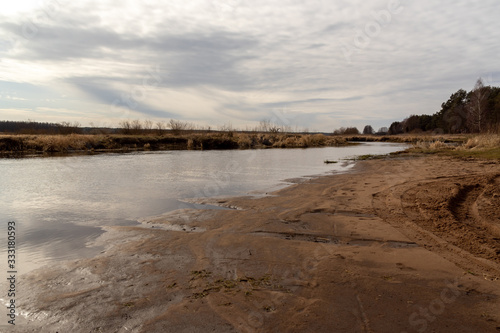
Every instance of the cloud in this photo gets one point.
(235, 61)
(120, 104)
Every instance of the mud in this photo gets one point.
(397, 245)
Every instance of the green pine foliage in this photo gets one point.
(476, 111)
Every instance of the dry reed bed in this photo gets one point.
(482, 141)
(215, 140)
(474, 146)
(408, 138)
(229, 140)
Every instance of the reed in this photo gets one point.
(409, 138)
(73, 143)
(482, 141)
(473, 146)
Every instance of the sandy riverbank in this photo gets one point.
(396, 245)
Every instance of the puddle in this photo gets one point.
(351, 213)
(329, 239)
(172, 227)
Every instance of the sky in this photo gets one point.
(316, 64)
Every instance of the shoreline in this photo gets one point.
(71, 144)
(344, 252)
(83, 223)
(32, 145)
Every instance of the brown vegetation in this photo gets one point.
(21, 144)
(33, 144)
(408, 138)
(145, 135)
(480, 146)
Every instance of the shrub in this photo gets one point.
(483, 141)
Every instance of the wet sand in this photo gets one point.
(408, 244)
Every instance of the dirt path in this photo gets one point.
(399, 245)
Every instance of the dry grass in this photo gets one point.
(438, 145)
(269, 140)
(432, 145)
(477, 146)
(481, 146)
(482, 141)
(22, 144)
(408, 138)
(59, 143)
(49, 143)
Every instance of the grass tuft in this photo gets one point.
(485, 146)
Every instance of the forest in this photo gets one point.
(476, 111)
(34, 127)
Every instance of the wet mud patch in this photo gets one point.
(329, 239)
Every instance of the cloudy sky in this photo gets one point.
(313, 64)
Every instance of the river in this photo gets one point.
(59, 204)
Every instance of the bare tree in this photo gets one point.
(368, 130)
(346, 131)
(126, 126)
(148, 125)
(66, 127)
(382, 131)
(177, 126)
(267, 126)
(476, 108)
(161, 127)
(136, 126)
(264, 125)
(339, 131)
(228, 127)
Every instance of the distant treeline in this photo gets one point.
(33, 127)
(476, 111)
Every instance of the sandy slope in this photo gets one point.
(398, 245)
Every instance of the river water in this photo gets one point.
(59, 204)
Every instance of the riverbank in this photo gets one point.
(88, 143)
(402, 244)
(46, 145)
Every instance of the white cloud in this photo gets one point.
(233, 61)
(19, 6)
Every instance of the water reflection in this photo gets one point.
(60, 203)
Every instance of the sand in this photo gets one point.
(407, 244)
